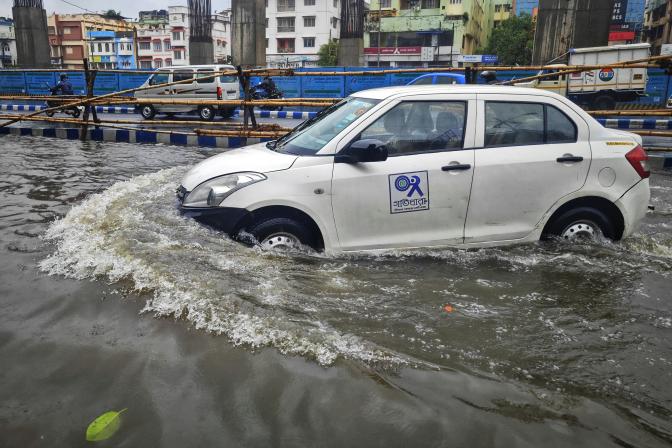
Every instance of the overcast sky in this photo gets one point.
(128, 8)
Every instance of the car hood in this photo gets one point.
(256, 158)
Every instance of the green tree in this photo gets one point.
(112, 14)
(328, 54)
(512, 41)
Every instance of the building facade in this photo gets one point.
(112, 50)
(503, 9)
(427, 32)
(7, 42)
(163, 37)
(69, 36)
(525, 7)
(295, 30)
(658, 24)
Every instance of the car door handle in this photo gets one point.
(456, 167)
(569, 158)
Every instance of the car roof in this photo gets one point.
(387, 92)
(175, 67)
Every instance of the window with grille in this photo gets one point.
(309, 21)
(286, 5)
(285, 24)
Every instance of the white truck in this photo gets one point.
(602, 88)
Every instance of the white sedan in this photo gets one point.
(428, 166)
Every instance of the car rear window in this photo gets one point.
(158, 78)
(521, 124)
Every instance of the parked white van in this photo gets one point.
(218, 88)
(419, 166)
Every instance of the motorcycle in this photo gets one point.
(74, 111)
(258, 92)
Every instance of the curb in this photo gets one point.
(635, 123)
(134, 136)
(296, 115)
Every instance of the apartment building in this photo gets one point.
(112, 50)
(7, 42)
(402, 33)
(69, 35)
(295, 30)
(503, 9)
(163, 37)
(658, 24)
(525, 7)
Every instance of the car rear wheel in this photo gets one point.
(604, 102)
(582, 223)
(206, 113)
(147, 111)
(282, 234)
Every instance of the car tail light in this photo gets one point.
(639, 161)
(219, 93)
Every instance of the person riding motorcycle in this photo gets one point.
(64, 86)
(266, 90)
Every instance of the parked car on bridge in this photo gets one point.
(201, 88)
(438, 78)
(428, 166)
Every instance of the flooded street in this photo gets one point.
(109, 299)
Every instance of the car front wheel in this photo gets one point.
(206, 113)
(148, 112)
(582, 223)
(282, 234)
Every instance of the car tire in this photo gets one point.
(206, 113)
(75, 113)
(604, 102)
(50, 113)
(581, 222)
(282, 233)
(147, 111)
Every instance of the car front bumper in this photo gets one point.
(226, 219)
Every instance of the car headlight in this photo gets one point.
(211, 193)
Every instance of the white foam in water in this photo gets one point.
(133, 231)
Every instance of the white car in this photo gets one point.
(421, 166)
(202, 86)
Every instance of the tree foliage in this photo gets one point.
(328, 54)
(512, 41)
(112, 14)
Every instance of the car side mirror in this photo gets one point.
(367, 150)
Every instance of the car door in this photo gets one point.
(419, 195)
(535, 150)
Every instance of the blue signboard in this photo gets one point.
(490, 59)
(131, 81)
(39, 83)
(12, 82)
(106, 83)
(290, 86)
(322, 86)
(357, 83)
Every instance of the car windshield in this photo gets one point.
(311, 136)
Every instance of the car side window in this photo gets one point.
(181, 76)
(445, 80)
(559, 128)
(202, 74)
(420, 126)
(520, 124)
(423, 81)
(158, 78)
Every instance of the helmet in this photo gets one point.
(489, 76)
(64, 76)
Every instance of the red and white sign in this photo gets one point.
(393, 50)
(621, 35)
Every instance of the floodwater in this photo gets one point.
(110, 300)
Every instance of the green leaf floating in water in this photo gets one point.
(104, 426)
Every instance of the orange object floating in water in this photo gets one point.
(448, 308)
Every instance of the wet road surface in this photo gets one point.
(109, 300)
